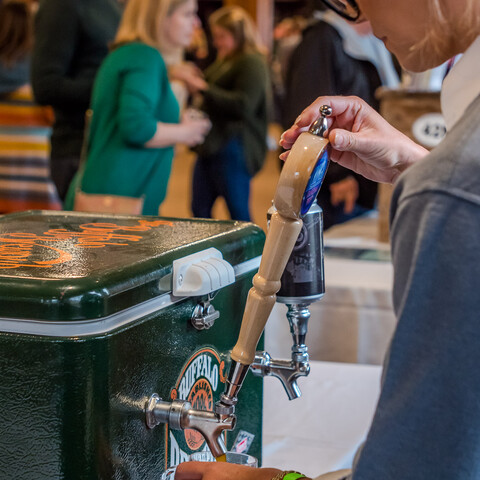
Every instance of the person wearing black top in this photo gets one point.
(71, 40)
(321, 65)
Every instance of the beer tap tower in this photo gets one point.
(302, 283)
(295, 225)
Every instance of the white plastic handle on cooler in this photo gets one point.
(201, 273)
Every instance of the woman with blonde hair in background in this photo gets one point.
(234, 96)
(428, 416)
(135, 114)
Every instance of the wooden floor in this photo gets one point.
(177, 203)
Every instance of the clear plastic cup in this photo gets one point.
(232, 457)
(206, 456)
(242, 459)
(195, 113)
(169, 473)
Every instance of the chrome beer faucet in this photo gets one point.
(303, 283)
(180, 415)
(287, 371)
(297, 188)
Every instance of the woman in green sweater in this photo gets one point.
(135, 122)
(235, 99)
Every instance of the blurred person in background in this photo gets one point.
(184, 66)
(16, 42)
(25, 127)
(72, 40)
(335, 57)
(234, 95)
(177, 68)
(198, 51)
(287, 34)
(185, 76)
(135, 123)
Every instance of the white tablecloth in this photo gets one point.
(354, 320)
(320, 431)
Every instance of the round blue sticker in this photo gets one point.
(314, 183)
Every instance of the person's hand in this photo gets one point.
(222, 471)
(196, 126)
(360, 138)
(189, 74)
(345, 191)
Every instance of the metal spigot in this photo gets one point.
(288, 371)
(180, 415)
(229, 398)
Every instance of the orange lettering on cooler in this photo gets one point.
(17, 249)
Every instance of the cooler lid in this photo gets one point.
(59, 266)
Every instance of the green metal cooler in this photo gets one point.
(96, 316)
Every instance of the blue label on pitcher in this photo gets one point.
(314, 183)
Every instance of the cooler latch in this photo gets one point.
(201, 273)
(204, 314)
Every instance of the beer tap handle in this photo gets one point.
(297, 188)
(300, 180)
(281, 238)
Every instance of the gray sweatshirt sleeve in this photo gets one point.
(428, 416)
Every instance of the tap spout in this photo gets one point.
(287, 371)
(229, 398)
(180, 415)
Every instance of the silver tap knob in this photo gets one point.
(320, 126)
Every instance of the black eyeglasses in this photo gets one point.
(346, 8)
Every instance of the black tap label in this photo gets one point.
(304, 273)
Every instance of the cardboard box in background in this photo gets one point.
(417, 114)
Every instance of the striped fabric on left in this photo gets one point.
(25, 181)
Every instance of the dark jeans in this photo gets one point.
(222, 174)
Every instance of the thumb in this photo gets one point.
(343, 140)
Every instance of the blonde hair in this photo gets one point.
(240, 25)
(443, 32)
(142, 21)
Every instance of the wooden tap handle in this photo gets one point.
(285, 226)
(296, 174)
(281, 237)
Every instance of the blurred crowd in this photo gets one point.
(131, 80)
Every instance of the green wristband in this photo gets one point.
(293, 476)
(289, 475)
